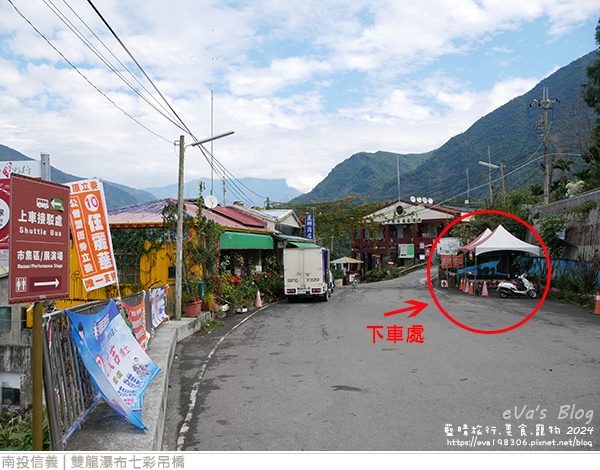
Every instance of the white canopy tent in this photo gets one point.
(346, 260)
(502, 240)
(480, 239)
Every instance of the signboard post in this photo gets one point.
(406, 250)
(39, 263)
(39, 240)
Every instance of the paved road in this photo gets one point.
(309, 376)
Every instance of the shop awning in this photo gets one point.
(246, 241)
(303, 245)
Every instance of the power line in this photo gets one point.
(82, 75)
(156, 105)
(183, 126)
(166, 110)
(210, 160)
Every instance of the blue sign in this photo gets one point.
(118, 365)
(309, 226)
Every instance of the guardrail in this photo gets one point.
(71, 394)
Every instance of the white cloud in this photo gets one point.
(304, 84)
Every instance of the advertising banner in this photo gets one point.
(116, 362)
(31, 168)
(309, 226)
(137, 319)
(91, 234)
(158, 301)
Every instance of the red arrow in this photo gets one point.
(416, 306)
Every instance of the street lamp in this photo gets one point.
(179, 249)
(490, 166)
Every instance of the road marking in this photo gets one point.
(185, 427)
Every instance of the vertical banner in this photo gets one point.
(116, 362)
(137, 319)
(158, 301)
(31, 168)
(91, 234)
(309, 226)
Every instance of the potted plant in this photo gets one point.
(190, 300)
(200, 247)
(208, 303)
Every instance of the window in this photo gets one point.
(5, 318)
(24, 319)
(11, 396)
(172, 272)
(129, 273)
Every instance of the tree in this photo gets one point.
(518, 203)
(591, 90)
(335, 221)
(591, 96)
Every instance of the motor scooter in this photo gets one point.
(517, 288)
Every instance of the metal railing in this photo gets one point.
(71, 394)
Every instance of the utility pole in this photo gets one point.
(490, 165)
(503, 187)
(179, 242)
(468, 189)
(398, 171)
(37, 350)
(490, 173)
(545, 104)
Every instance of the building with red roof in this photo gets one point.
(405, 233)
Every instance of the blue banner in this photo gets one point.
(309, 226)
(114, 359)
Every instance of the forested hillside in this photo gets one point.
(512, 133)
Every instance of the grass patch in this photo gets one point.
(211, 325)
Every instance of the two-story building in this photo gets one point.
(403, 233)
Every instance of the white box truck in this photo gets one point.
(306, 273)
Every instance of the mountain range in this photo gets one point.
(248, 190)
(118, 195)
(510, 133)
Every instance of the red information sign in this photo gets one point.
(458, 261)
(446, 261)
(39, 240)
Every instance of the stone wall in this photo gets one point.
(15, 346)
(582, 236)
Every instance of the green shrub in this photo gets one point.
(16, 430)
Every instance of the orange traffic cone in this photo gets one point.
(484, 291)
(597, 309)
(471, 288)
(467, 282)
(258, 302)
(462, 284)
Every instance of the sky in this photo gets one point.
(304, 84)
